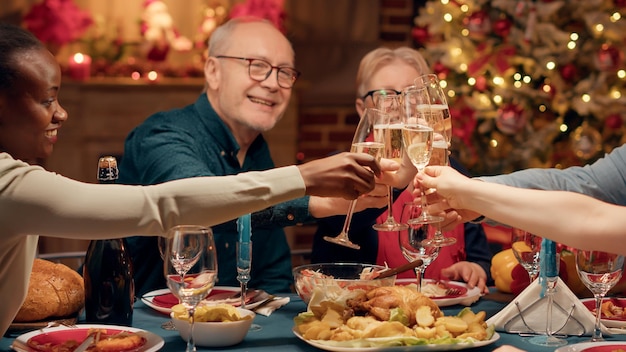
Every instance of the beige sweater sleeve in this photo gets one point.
(34, 201)
(37, 202)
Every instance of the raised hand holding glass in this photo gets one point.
(363, 142)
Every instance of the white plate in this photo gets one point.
(603, 346)
(609, 323)
(416, 348)
(153, 341)
(472, 295)
(148, 298)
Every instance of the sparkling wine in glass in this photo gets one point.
(388, 130)
(190, 268)
(599, 271)
(418, 137)
(438, 104)
(526, 248)
(414, 241)
(363, 142)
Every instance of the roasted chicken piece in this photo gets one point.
(380, 301)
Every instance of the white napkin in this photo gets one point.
(270, 307)
(534, 312)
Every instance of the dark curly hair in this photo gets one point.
(13, 39)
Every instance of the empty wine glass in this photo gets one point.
(417, 138)
(162, 244)
(363, 142)
(414, 241)
(388, 130)
(599, 271)
(190, 268)
(526, 247)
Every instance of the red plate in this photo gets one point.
(606, 348)
(70, 337)
(618, 302)
(168, 300)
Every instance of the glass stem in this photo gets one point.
(550, 294)
(243, 294)
(418, 276)
(597, 331)
(346, 224)
(390, 218)
(191, 345)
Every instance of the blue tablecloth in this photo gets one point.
(276, 335)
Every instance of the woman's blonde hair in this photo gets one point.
(380, 57)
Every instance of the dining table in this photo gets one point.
(276, 329)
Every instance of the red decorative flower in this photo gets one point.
(57, 21)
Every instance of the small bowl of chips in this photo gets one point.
(218, 325)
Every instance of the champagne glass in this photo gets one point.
(363, 142)
(190, 268)
(526, 247)
(244, 261)
(550, 273)
(414, 241)
(417, 139)
(438, 104)
(388, 130)
(599, 271)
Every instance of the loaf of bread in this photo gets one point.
(54, 291)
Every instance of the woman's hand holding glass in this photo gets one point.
(190, 267)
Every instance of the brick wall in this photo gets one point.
(327, 128)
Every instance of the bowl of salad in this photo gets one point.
(337, 281)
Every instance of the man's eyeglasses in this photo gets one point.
(259, 70)
(381, 92)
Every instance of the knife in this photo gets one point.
(85, 344)
(402, 268)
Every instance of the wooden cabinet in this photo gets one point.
(103, 111)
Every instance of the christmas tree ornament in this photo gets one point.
(420, 34)
(569, 72)
(586, 141)
(613, 122)
(478, 24)
(510, 119)
(441, 70)
(608, 58)
(502, 27)
(619, 3)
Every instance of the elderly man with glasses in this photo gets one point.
(249, 78)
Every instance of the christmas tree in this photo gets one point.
(530, 83)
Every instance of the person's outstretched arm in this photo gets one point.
(566, 217)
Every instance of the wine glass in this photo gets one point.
(162, 244)
(526, 247)
(363, 142)
(417, 138)
(438, 104)
(388, 130)
(599, 271)
(414, 241)
(244, 261)
(190, 268)
(550, 273)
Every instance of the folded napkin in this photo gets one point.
(271, 306)
(569, 314)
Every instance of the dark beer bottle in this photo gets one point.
(108, 272)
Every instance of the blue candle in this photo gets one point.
(547, 263)
(244, 229)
